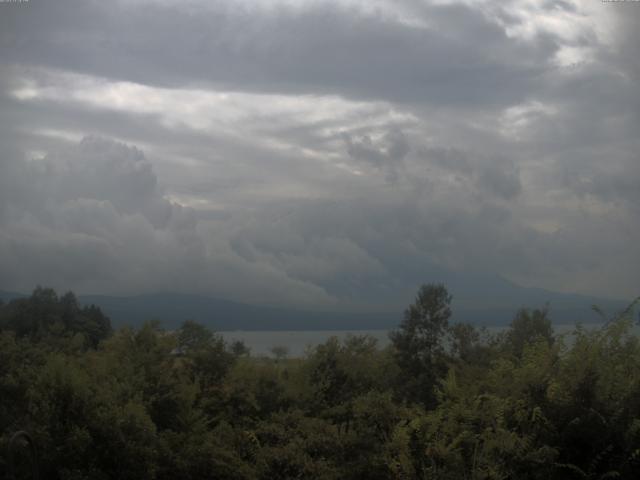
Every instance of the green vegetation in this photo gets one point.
(441, 402)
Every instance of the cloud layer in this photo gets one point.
(318, 153)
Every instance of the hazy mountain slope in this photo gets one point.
(479, 300)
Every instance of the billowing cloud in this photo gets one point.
(92, 217)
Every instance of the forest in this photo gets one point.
(443, 401)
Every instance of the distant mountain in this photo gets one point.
(490, 303)
(225, 315)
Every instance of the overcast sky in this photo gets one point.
(319, 153)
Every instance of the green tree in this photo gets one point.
(206, 353)
(45, 316)
(528, 326)
(418, 343)
(280, 352)
(240, 349)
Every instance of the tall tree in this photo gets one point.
(418, 343)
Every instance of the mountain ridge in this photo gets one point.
(171, 309)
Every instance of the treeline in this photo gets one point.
(440, 402)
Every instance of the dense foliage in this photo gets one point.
(442, 401)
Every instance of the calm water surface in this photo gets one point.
(261, 342)
(297, 342)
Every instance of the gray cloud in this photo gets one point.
(495, 175)
(93, 208)
(319, 48)
(332, 153)
(386, 155)
(92, 217)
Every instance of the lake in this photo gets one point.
(297, 341)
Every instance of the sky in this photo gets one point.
(320, 154)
